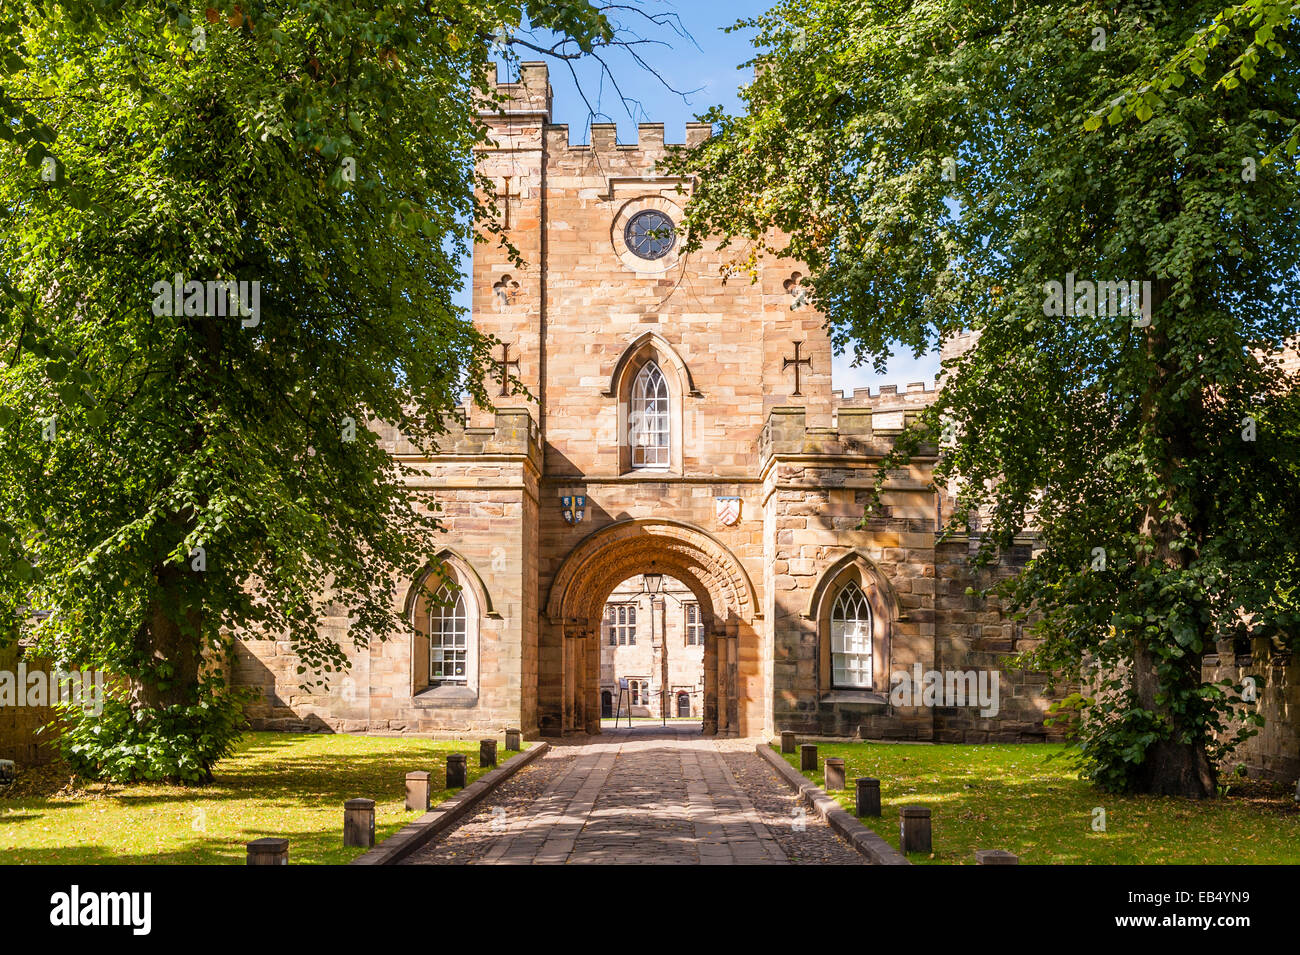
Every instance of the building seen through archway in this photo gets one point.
(652, 651)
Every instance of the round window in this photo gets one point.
(650, 234)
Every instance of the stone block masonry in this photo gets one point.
(686, 416)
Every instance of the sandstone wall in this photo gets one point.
(19, 725)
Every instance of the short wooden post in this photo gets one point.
(457, 771)
(787, 741)
(359, 823)
(268, 852)
(512, 740)
(487, 753)
(808, 757)
(995, 857)
(868, 801)
(417, 790)
(834, 772)
(914, 829)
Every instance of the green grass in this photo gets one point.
(275, 784)
(1013, 797)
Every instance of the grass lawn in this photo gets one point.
(290, 785)
(1012, 797)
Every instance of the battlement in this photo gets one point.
(859, 432)
(531, 93)
(887, 398)
(513, 432)
(604, 138)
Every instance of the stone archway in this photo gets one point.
(568, 695)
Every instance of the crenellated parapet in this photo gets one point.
(649, 148)
(859, 432)
(513, 433)
(887, 398)
(529, 95)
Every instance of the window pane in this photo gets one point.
(449, 638)
(648, 429)
(851, 639)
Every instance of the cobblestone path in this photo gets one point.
(645, 796)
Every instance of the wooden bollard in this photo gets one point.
(787, 741)
(512, 740)
(268, 851)
(487, 753)
(359, 823)
(417, 790)
(868, 801)
(914, 829)
(457, 771)
(995, 857)
(808, 757)
(834, 772)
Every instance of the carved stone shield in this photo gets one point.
(728, 510)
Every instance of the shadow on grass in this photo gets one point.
(268, 787)
(1015, 798)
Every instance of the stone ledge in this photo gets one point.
(875, 849)
(446, 814)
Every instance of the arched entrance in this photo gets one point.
(568, 688)
(606, 704)
(683, 704)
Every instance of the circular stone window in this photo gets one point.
(650, 235)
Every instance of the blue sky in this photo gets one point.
(705, 70)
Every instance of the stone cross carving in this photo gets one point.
(504, 363)
(796, 361)
(506, 196)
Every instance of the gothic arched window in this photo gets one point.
(451, 634)
(648, 431)
(851, 639)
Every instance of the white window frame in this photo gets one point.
(649, 431)
(694, 629)
(459, 620)
(621, 620)
(851, 650)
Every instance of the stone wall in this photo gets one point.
(484, 484)
(1274, 753)
(817, 483)
(19, 725)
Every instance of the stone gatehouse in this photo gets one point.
(654, 418)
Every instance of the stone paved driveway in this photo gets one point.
(645, 796)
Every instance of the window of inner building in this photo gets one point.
(621, 619)
(640, 692)
(851, 639)
(648, 419)
(694, 625)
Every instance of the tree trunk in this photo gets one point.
(1170, 768)
(164, 636)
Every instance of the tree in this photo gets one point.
(230, 240)
(930, 163)
(1260, 27)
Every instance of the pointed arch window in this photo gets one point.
(851, 639)
(648, 416)
(450, 635)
